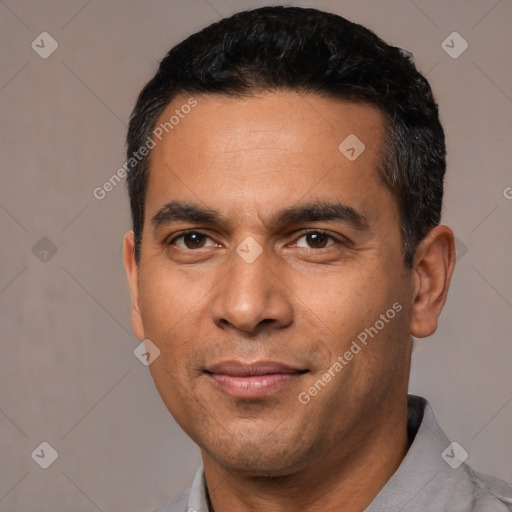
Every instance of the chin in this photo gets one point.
(262, 467)
(258, 457)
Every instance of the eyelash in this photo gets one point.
(303, 233)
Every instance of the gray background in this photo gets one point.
(68, 375)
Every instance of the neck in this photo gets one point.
(346, 478)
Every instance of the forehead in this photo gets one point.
(265, 148)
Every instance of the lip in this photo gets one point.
(252, 380)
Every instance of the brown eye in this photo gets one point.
(191, 240)
(316, 240)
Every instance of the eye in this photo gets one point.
(192, 240)
(316, 240)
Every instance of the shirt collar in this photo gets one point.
(422, 466)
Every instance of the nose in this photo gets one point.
(252, 296)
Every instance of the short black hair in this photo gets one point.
(308, 51)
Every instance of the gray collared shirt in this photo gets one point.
(431, 478)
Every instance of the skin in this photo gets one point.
(301, 302)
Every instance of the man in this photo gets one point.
(286, 181)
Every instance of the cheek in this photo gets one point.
(164, 301)
(174, 308)
(369, 309)
(166, 310)
(348, 299)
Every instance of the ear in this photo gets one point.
(434, 262)
(132, 273)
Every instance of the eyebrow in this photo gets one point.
(317, 211)
(176, 211)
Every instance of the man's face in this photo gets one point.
(269, 289)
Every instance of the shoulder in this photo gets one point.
(490, 494)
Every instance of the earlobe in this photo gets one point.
(433, 268)
(132, 274)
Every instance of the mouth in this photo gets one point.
(252, 380)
